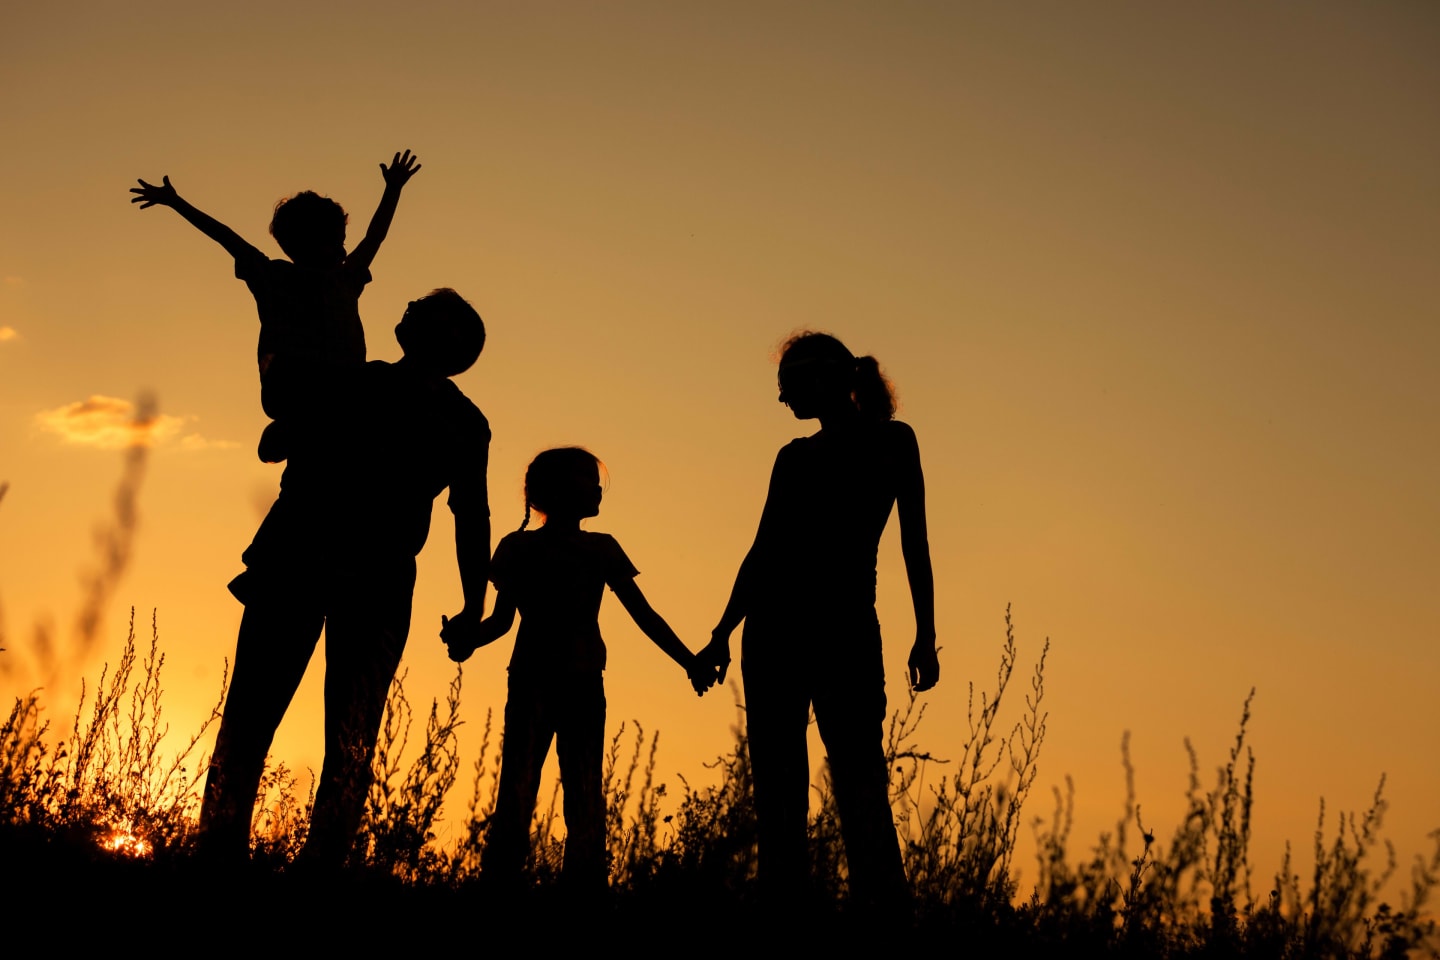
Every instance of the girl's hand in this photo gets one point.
(924, 664)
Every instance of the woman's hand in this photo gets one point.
(717, 654)
(924, 664)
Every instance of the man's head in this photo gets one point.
(441, 332)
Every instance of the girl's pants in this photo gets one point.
(570, 709)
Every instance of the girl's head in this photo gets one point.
(563, 482)
(819, 373)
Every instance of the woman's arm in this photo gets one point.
(717, 652)
(915, 547)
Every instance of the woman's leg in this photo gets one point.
(850, 712)
(777, 712)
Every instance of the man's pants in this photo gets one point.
(366, 619)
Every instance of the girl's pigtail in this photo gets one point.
(874, 397)
(526, 522)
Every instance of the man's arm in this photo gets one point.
(472, 554)
(401, 169)
(164, 195)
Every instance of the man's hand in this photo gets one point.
(401, 169)
(150, 195)
(924, 665)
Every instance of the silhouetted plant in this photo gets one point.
(107, 786)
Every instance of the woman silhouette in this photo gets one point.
(806, 592)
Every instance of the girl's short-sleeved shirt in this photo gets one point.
(556, 581)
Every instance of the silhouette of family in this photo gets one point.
(367, 448)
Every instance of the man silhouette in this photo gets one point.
(337, 550)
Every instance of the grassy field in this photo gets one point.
(97, 823)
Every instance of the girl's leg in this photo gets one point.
(777, 712)
(850, 712)
(529, 729)
(580, 742)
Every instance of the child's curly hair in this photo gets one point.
(299, 221)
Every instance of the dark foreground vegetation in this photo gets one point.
(96, 828)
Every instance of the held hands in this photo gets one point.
(924, 664)
(462, 634)
(401, 169)
(150, 195)
(716, 656)
(702, 675)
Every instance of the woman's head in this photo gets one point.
(563, 481)
(818, 373)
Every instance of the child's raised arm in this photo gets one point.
(401, 169)
(702, 676)
(164, 195)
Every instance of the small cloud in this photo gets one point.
(9, 333)
(13, 282)
(193, 441)
(109, 423)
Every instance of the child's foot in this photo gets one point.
(274, 443)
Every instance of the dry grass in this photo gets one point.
(106, 794)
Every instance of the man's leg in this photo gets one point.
(580, 743)
(274, 646)
(365, 636)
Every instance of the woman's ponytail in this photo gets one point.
(874, 397)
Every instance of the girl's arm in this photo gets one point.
(702, 676)
(915, 547)
(463, 640)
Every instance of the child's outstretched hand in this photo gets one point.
(150, 195)
(401, 169)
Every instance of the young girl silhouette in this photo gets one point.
(806, 592)
(555, 577)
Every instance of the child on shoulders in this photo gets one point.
(309, 305)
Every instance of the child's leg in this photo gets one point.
(274, 646)
(580, 742)
(528, 731)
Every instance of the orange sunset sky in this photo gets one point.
(1157, 285)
